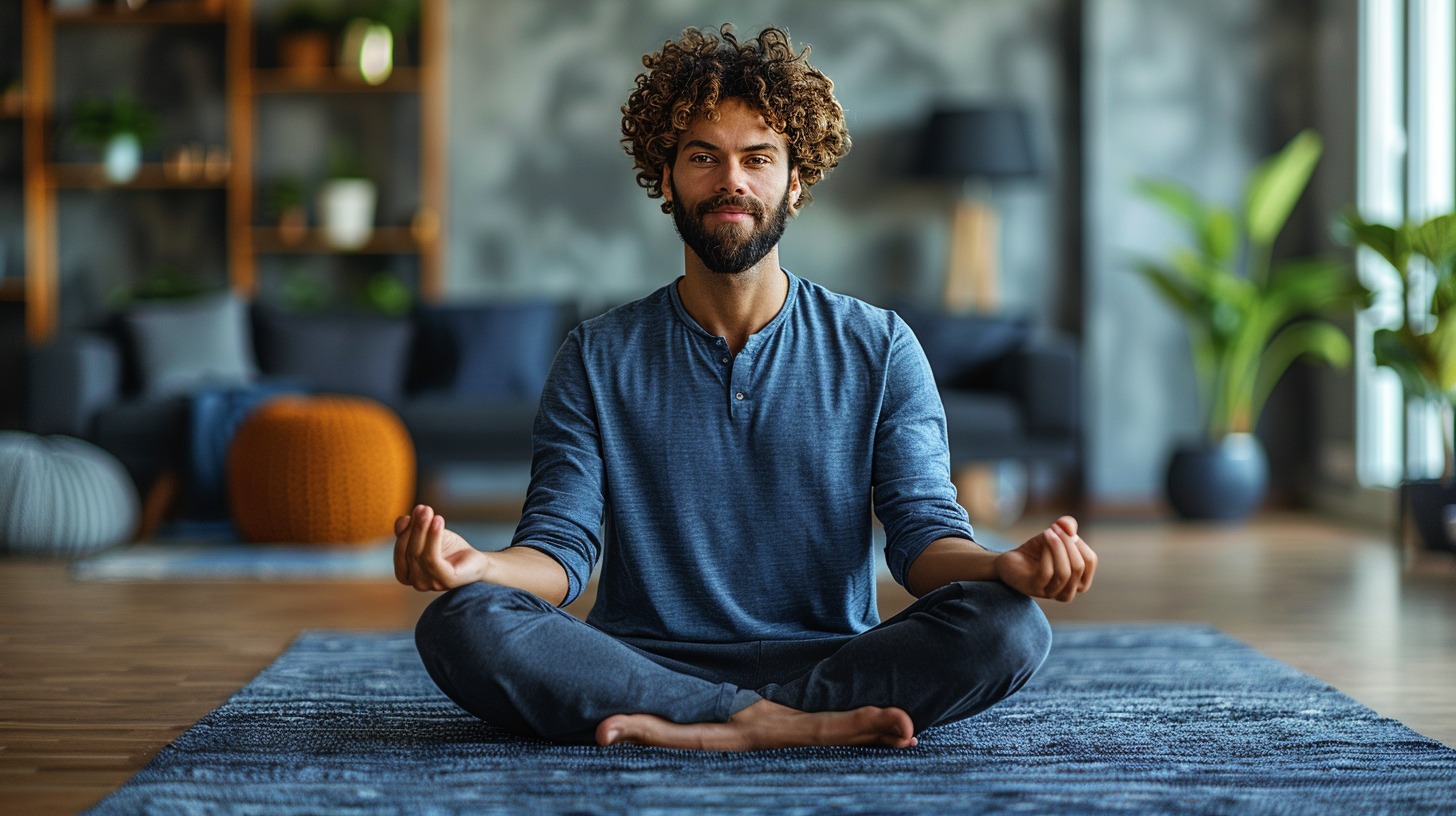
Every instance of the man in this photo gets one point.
(719, 445)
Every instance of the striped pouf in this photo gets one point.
(62, 496)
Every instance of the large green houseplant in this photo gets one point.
(1249, 317)
(1421, 348)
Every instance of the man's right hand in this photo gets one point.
(431, 558)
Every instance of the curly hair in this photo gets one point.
(691, 77)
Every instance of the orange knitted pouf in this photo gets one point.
(320, 470)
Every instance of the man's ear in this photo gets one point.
(796, 190)
(667, 183)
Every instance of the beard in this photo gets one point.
(721, 249)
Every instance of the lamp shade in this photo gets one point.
(987, 141)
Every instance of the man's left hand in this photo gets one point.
(1055, 564)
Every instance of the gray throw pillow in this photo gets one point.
(185, 345)
(348, 354)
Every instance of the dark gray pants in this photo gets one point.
(518, 662)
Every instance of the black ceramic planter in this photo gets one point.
(1224, 481)
(1423, 503)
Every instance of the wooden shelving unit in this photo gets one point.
(272, 81)
(149, 177)
(246, 83)
(199, 12)
(384, 241)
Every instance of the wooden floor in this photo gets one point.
(96, 677)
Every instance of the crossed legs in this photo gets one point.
(514, 660)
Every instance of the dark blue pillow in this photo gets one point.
(503, 350)
(958, 346)
(349, 354)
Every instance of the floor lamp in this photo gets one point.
(975, 146)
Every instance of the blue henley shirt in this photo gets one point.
(731, 494)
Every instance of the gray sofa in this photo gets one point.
(1011, 391)
(465, 379)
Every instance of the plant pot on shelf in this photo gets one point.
(293, 226)
(123, 158)
(1219, 481)
(305, 55)
(346, 209)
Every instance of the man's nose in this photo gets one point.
(733, 180)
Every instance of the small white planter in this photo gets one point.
(346, 209)
(123, 158)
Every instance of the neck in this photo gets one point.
(734, 306)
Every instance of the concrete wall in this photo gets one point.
(1197, 92)
(543, 196)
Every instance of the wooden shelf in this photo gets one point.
(384, 241)
(280, 81)
(153, 13)
(150, 177)
(246, 86)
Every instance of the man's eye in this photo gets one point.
(701, 158)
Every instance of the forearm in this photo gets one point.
(946, 561)
(531, 570)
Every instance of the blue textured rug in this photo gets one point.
(1124, 719)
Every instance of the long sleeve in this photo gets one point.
(564, 505)
(913, 494)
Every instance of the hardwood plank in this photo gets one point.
(96, 677)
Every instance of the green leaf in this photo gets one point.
(1277, 184)
(1175, 198)
(1314, 285)
(1173, 287)
(1316, 339)
(1391, 243)
(1441, 351)
(1401, 352)
(1436, 241)
(1220, 235)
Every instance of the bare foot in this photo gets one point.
(763, 725)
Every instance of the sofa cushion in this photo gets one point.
(490, 350)
(960, 346)
(343, 353)
(451, 429)
(181, 345)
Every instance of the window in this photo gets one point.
(1407, 158)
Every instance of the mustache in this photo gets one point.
(751, 206)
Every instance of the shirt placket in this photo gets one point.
(740, 385)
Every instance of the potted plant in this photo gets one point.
(305, 40)
(346, 202)
(386, 294)
(286, 205)
(1421, 349)
(1248, 318)
(163, 283)
(119, 127)
(376, 38)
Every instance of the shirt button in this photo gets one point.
(724, 361)
(738, 396)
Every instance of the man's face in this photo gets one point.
(731, 188)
